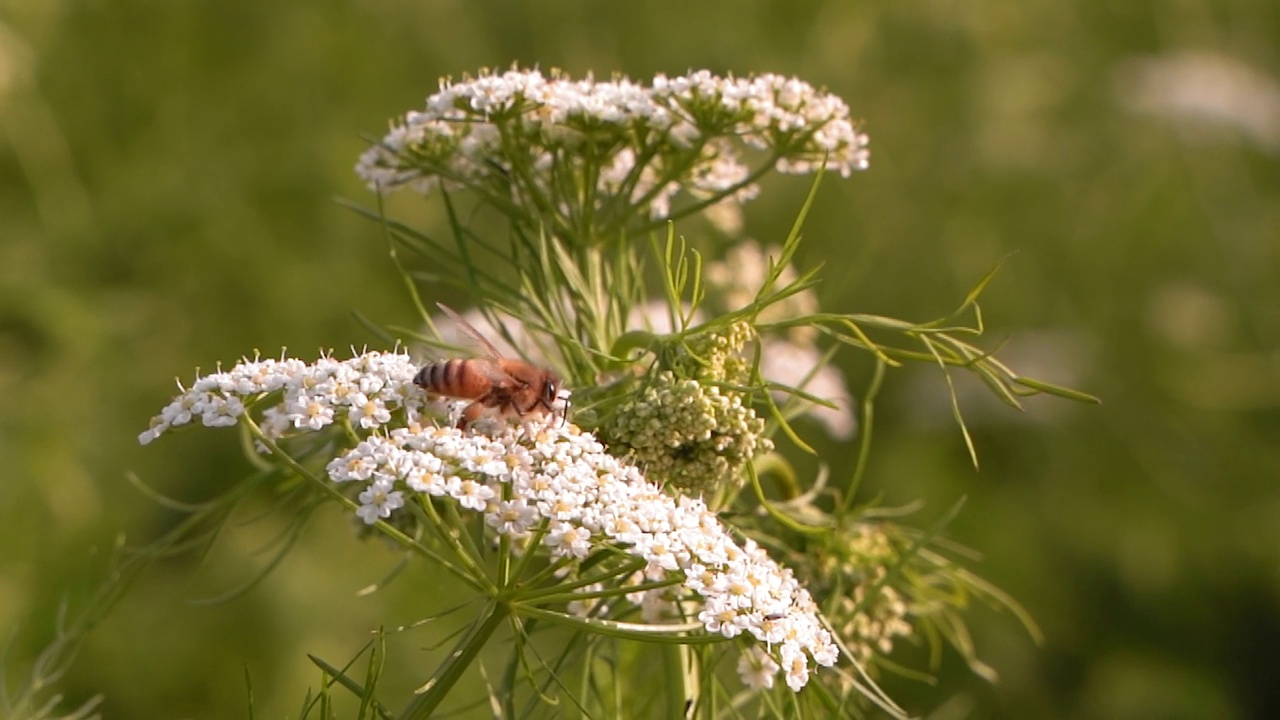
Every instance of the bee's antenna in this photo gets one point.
(566, 396)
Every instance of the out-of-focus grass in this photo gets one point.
(167, 174)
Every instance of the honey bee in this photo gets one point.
(509, 385)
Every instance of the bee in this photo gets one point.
(509, 385)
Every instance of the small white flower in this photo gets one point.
(151, 433)
(181, 410)
(565, 505)
(567, 539)
(368, 413)
(426, 481)
(377, 501)
(485, 461)
(309, 412)
(722, 617)
(796, 666)
(773, 627)
(656, 606)
(824, 649)
(756, 668)
(659, 550)
(469, 493)
(222, 411)
(512, 517)
(583, 608)
(353, 466)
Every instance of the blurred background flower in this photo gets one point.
(168, 173)
(1202, 92)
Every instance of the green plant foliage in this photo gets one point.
(169, 173)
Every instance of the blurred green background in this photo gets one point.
(167, 176)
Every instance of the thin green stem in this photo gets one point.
(864, 441)
(557, 595)
(708, 202)
(434, 692)
(530, 552)
(396, 535)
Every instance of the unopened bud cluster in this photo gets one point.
(689, 426)
(792, 357)
(875, 614)
(718, 356)
(688, 433)
(871, 618)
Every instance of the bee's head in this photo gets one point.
(550, 391)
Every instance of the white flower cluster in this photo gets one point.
(646, 142)
(365, 390)
(560, 479)
(549, 477)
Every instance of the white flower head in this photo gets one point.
(366, 390)
(756, 668)
(544, 475)
(585, 497)
(690, 130)
(378, 500)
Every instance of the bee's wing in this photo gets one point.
(475, 335)
(492, 369)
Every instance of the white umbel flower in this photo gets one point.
(378, 501)
(544, 475)
(690, 130)
(563, 477)
(365, 390)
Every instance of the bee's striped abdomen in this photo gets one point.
(458, 378)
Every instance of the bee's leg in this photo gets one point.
(470, 414)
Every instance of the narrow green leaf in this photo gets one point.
(248, 691)
(865, 431)
(1057, 390)
(780, 516)
(374, 329)
(437, 688)
(339, 676)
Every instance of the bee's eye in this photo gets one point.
(549, 392)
